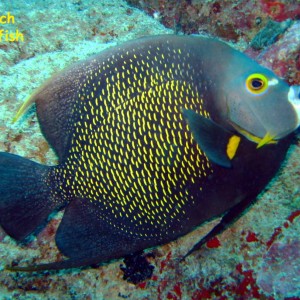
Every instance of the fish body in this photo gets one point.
(154, 137)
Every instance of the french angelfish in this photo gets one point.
(153, 137)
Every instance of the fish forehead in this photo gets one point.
(132, 155)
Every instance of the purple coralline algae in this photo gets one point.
(280, 270)
(231, 20)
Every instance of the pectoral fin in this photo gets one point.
(218, 144)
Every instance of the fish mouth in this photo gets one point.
(265, 140)
(294, 99)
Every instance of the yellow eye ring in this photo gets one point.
(256, 83)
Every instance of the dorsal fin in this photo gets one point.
(54, 106)
(54, 101)
(56, 98)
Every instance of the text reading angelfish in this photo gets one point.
(8, 35)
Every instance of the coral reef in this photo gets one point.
(283, 57)
(231, 20)
(137, 268)
(281, 262)
(256, 258)
(268, 35)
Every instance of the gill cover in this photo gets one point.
(259, 106)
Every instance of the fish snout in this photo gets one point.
(294, 99)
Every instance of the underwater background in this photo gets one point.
(258, 257)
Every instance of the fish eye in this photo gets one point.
(256, 83)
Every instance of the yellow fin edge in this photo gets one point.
(23, 108)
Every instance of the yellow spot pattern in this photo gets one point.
(132, 154)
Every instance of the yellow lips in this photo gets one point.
(267, 139)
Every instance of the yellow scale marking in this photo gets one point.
(133, 155)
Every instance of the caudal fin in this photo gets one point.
(25, 195)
